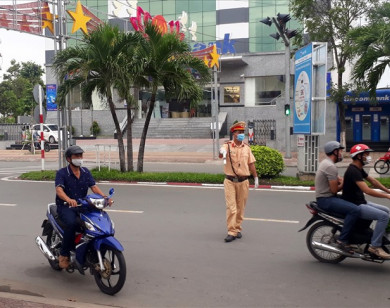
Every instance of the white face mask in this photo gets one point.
(77, 162)
(368, 160)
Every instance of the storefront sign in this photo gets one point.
(377, 109)
(357, 109)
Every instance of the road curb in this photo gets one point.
(275, 187)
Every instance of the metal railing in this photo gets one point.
(12, 131)
(264, 130)
(104, 155)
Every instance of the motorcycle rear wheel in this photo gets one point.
(322, 232)
(381, 166)
(51, 237)
(113, 278)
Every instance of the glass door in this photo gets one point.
(366, 134)
(384, 128)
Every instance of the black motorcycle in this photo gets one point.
(324, 231)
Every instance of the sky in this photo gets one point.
(22, 47)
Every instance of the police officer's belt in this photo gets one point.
(236, 178)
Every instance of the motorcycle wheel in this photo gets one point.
(381, 166)
(322, 232)
(52, 238)
(112, 279)
(47, 147)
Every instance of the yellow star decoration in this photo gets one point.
(206, 61)
(80, 20)
(47, 19)
(214, 57)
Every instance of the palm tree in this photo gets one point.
(98, 64)
(168, 63)
(372, 45)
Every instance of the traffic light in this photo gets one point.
(267, 21)
(283, 19)
(287, 109)
(291, 33)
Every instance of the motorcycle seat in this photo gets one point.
(314, 205)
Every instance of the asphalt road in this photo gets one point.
(176, 256)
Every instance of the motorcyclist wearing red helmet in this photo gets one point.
(354, 189)
(328, 183)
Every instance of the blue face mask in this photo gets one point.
(240, 137)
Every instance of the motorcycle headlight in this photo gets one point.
(89, 226)
(98, 203)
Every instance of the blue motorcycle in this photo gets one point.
(96, 248)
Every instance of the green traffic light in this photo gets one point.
(287, 109)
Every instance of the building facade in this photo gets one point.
(251, 78)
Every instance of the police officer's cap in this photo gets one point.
(238, 126)
(331, 146)
(73, 150)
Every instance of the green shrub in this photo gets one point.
(269, 162)
(95, 129)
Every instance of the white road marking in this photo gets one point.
(272, 220)
(126, 211)
(8, 204)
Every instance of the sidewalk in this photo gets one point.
(156, 150)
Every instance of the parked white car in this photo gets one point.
(50, 132)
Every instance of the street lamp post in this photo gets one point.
(280, 22)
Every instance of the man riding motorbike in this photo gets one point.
(354, 189)
(72, 183)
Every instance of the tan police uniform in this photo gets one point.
(236, 183)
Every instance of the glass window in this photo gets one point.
(182, 5)
(169, 7)
(231, 94)
(348, 129)
(209, 6)
(366, 128)
(209, 19)
(156, 7)
(384, 132)
(195, 6)
(268, 89)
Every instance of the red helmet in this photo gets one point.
(359, 148)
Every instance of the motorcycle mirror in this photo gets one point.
(111, 192)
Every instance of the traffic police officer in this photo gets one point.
(239, 164)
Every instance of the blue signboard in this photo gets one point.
(302, 93)
(382, 96)
(51, 94)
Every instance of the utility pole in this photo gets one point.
(280, 23)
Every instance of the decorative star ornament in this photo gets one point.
(79, 19)
(47, 21)
(214, 57)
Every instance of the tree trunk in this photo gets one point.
(341, 109)
(141, 151)
(130, 163)
(122, 163)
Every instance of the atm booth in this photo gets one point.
(368, 121)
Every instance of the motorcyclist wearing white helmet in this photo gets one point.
(328, 183)
(354, 189)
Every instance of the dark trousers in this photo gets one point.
(69, 217)
(337, 205)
